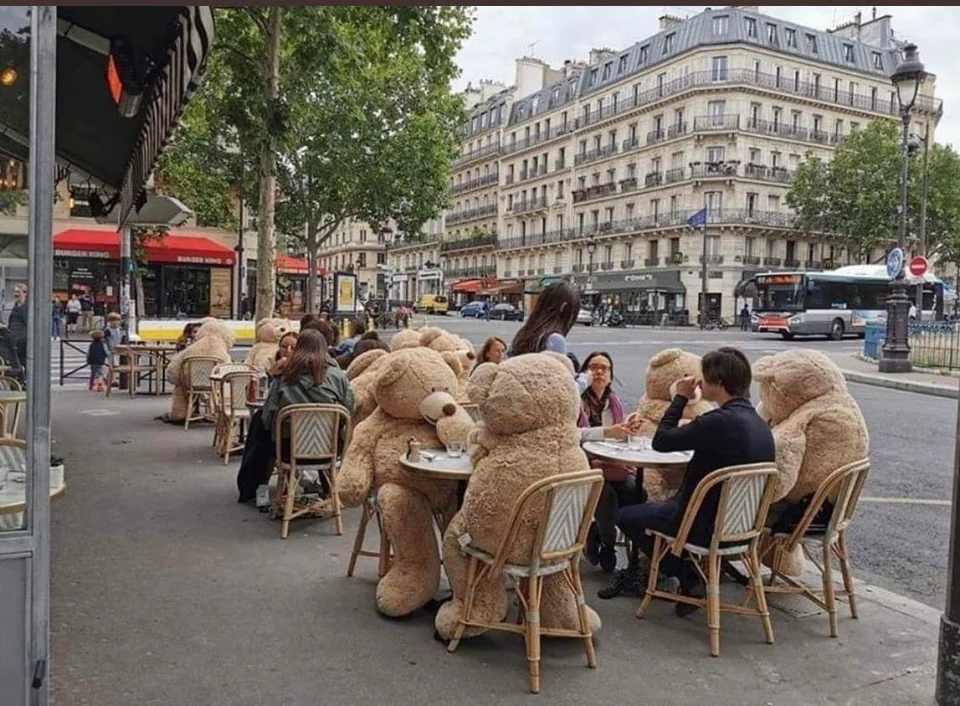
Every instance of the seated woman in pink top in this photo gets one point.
(602, 417)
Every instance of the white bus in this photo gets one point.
(835, 303)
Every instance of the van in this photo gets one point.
(431, 304)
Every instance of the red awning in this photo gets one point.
(468, 286)
(171, 249)
(289, 265)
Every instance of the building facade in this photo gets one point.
(413, 267)
(356, 248)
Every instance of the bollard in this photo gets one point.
(406, 322)
(344, 332)
(370, 324)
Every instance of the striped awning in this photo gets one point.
(171, 93)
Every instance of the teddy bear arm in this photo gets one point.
(790, 447)
(173, 368)
(456, 427)
(356, 471)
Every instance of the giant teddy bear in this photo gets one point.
(529, 407)
(443, 342)
(362, 374)
(213, 339)
(264, 351)
(663, 371)
(817, 427)
(411, 386)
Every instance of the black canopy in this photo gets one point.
(155, 52)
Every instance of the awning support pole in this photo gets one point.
(127, 312)
(42, 173)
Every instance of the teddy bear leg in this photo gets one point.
(489, 600)
(789, 564)
(559, 608)
(178, 404)
(414, 575)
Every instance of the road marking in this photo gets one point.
(908, 501)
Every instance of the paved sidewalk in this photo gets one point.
(167, 592)
(863, 371)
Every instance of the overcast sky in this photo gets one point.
(503, 34)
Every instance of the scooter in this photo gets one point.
(615, 319)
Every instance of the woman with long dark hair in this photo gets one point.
(602, 417)
(550, 322)
(307, 378)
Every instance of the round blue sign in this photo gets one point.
(894, 262)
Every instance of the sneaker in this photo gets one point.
(608, 558)
(591, 550)
(629, 580)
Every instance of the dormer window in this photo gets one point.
(668, 42)
(643, 54)
(593, 76)
(812, 43)
(622, 65)
(791, 38)
(771, 33)
(720, 25)
(878, 61)
(607, 70)
(751, 27)
(848, 53)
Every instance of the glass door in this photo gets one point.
(27, 104)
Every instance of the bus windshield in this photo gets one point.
(780, 293)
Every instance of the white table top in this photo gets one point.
(438, 464)
(647, 458)
(13, 496)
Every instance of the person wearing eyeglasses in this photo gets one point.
(602, 417)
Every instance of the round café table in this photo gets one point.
(643, 458)
(13, 499)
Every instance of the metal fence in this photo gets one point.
(933, 344)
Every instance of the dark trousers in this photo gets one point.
(615, 495)
(635, 520)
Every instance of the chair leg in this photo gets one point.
(588, 645)
(844, 556)
(829, 597)
(109, 381)
(358, 542)
(753, 561)
(186, 421)
(290, 484)
(335, 501)
(533, 632)
(467, 605)
(652, 575)
(713, 603)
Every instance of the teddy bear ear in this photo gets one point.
(393, 369)
(429, 334)
(668, 355)
(451, 359)
(362, 362)
(764, 369)
(481, 381)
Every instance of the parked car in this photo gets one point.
(431, 304)
(506, 312)
(585, 317)
(474, 309)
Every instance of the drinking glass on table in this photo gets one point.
(455, 449)
(638, 443)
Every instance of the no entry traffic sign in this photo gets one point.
(919, 266)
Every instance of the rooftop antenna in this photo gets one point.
(532, 45)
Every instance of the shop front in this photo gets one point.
(185, 276)
(532, 288)
(643, 297)
(505, 292)
(465, 291)
(429, 281)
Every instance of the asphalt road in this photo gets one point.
(900, 536)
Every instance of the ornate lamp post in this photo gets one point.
(907, 79)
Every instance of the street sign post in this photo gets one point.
(919, 266)
(894, 262)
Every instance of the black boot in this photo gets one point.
(691, 584)
(630, 580)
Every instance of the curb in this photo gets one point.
(920, 388)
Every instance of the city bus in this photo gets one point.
(835, 303)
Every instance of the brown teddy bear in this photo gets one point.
(412, 385)
(264, 351)
(362, 374)
(213, 339)
(405, 338)
(444, 342)
(817, 427)
(663, 371)
(529, 407)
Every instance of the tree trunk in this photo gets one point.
(312, 249)
(266, 234)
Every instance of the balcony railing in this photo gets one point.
(791, 262)
(558, 164)
(479, 153)
(485, 180)
(772, 261)
(655, 136)
(471, 214)
(716, 123)
(537, 204)
(676, 130)
(606, 265)
(629, 184)
(587, 157)
(544, 136)
(462, 272)
(627, 264)
(751, 260)
(630, 144)
(651, 261)
(712, 259)
(707, 170)
(761, 172)
(411, 243)
(579, 268)
(481, 240)
(653, 179)
(678, 219)
(763, 81)
(674, 175)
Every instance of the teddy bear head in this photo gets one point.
(271, 330)
(364, 362)
(405, 338)
(214, 328)
(525, 393)
(665, 368)
(408, 377)
(790, 379)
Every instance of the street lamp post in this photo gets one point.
(925, 194)
(591, 251)
(896, 349)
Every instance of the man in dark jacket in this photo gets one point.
(731, 435)
(17, 323)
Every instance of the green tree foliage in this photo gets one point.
(363, 124)
(855, 197)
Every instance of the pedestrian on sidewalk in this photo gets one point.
(17, 322)
(56, 319)
(73, 313)
(97, 355)
(112, 333)
(731, 435)
(745, 318)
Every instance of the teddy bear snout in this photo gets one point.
(471, 355)
(449, 409)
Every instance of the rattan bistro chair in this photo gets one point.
(370, 511)
(196, 374)
(233, 414)
(10, 413)
(843, 488)
(567, 503)
(314, 444)
(745, 495)
(217, 396)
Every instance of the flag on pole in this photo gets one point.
(698, 219)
